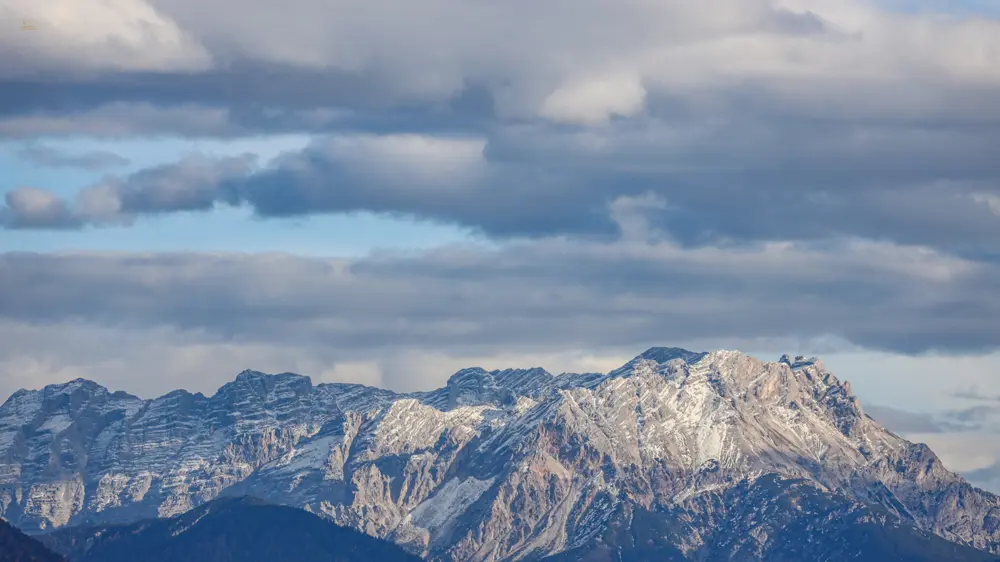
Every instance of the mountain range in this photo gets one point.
(675, 455)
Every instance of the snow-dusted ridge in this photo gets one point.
(495, 465)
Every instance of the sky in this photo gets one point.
(384, 192)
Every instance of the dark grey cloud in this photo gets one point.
(987, 478)
(976, 395)
(125, 120)
(975, 417)
(52, 157)
(527, 295)
(189, 185)
(902, 422)
(255, 97)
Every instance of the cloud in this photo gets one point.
(754, 121)
(528, 295)
(120, 120)
(153, 361)
(188, 185)
(108, 35)
(28, 207)
(738, 181)
(976, 417)
(987, 478)
(975, 394)
(820, 57)
(965, 420)
(595, 101)
(147, 322)
(903, 422)
(53, 157)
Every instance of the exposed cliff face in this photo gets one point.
(496, 465)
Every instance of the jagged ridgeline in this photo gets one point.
(675, 455)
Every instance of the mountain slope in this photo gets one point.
(770, 519)
(226, 530)
(496, 465)
(15, 546)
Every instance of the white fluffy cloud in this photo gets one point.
(97, 35)
(595, 101)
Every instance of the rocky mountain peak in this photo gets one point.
(470, 375)
(75, 385)
(263, 385)
(665, 354)
(248, 376)
(75, 392)
(474, 387)
(749, 384)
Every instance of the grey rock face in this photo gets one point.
(502, 465)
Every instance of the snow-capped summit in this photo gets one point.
(496, 465)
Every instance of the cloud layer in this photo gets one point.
(913, 187)
(755, 121)
(531, 295)
(566, 60)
